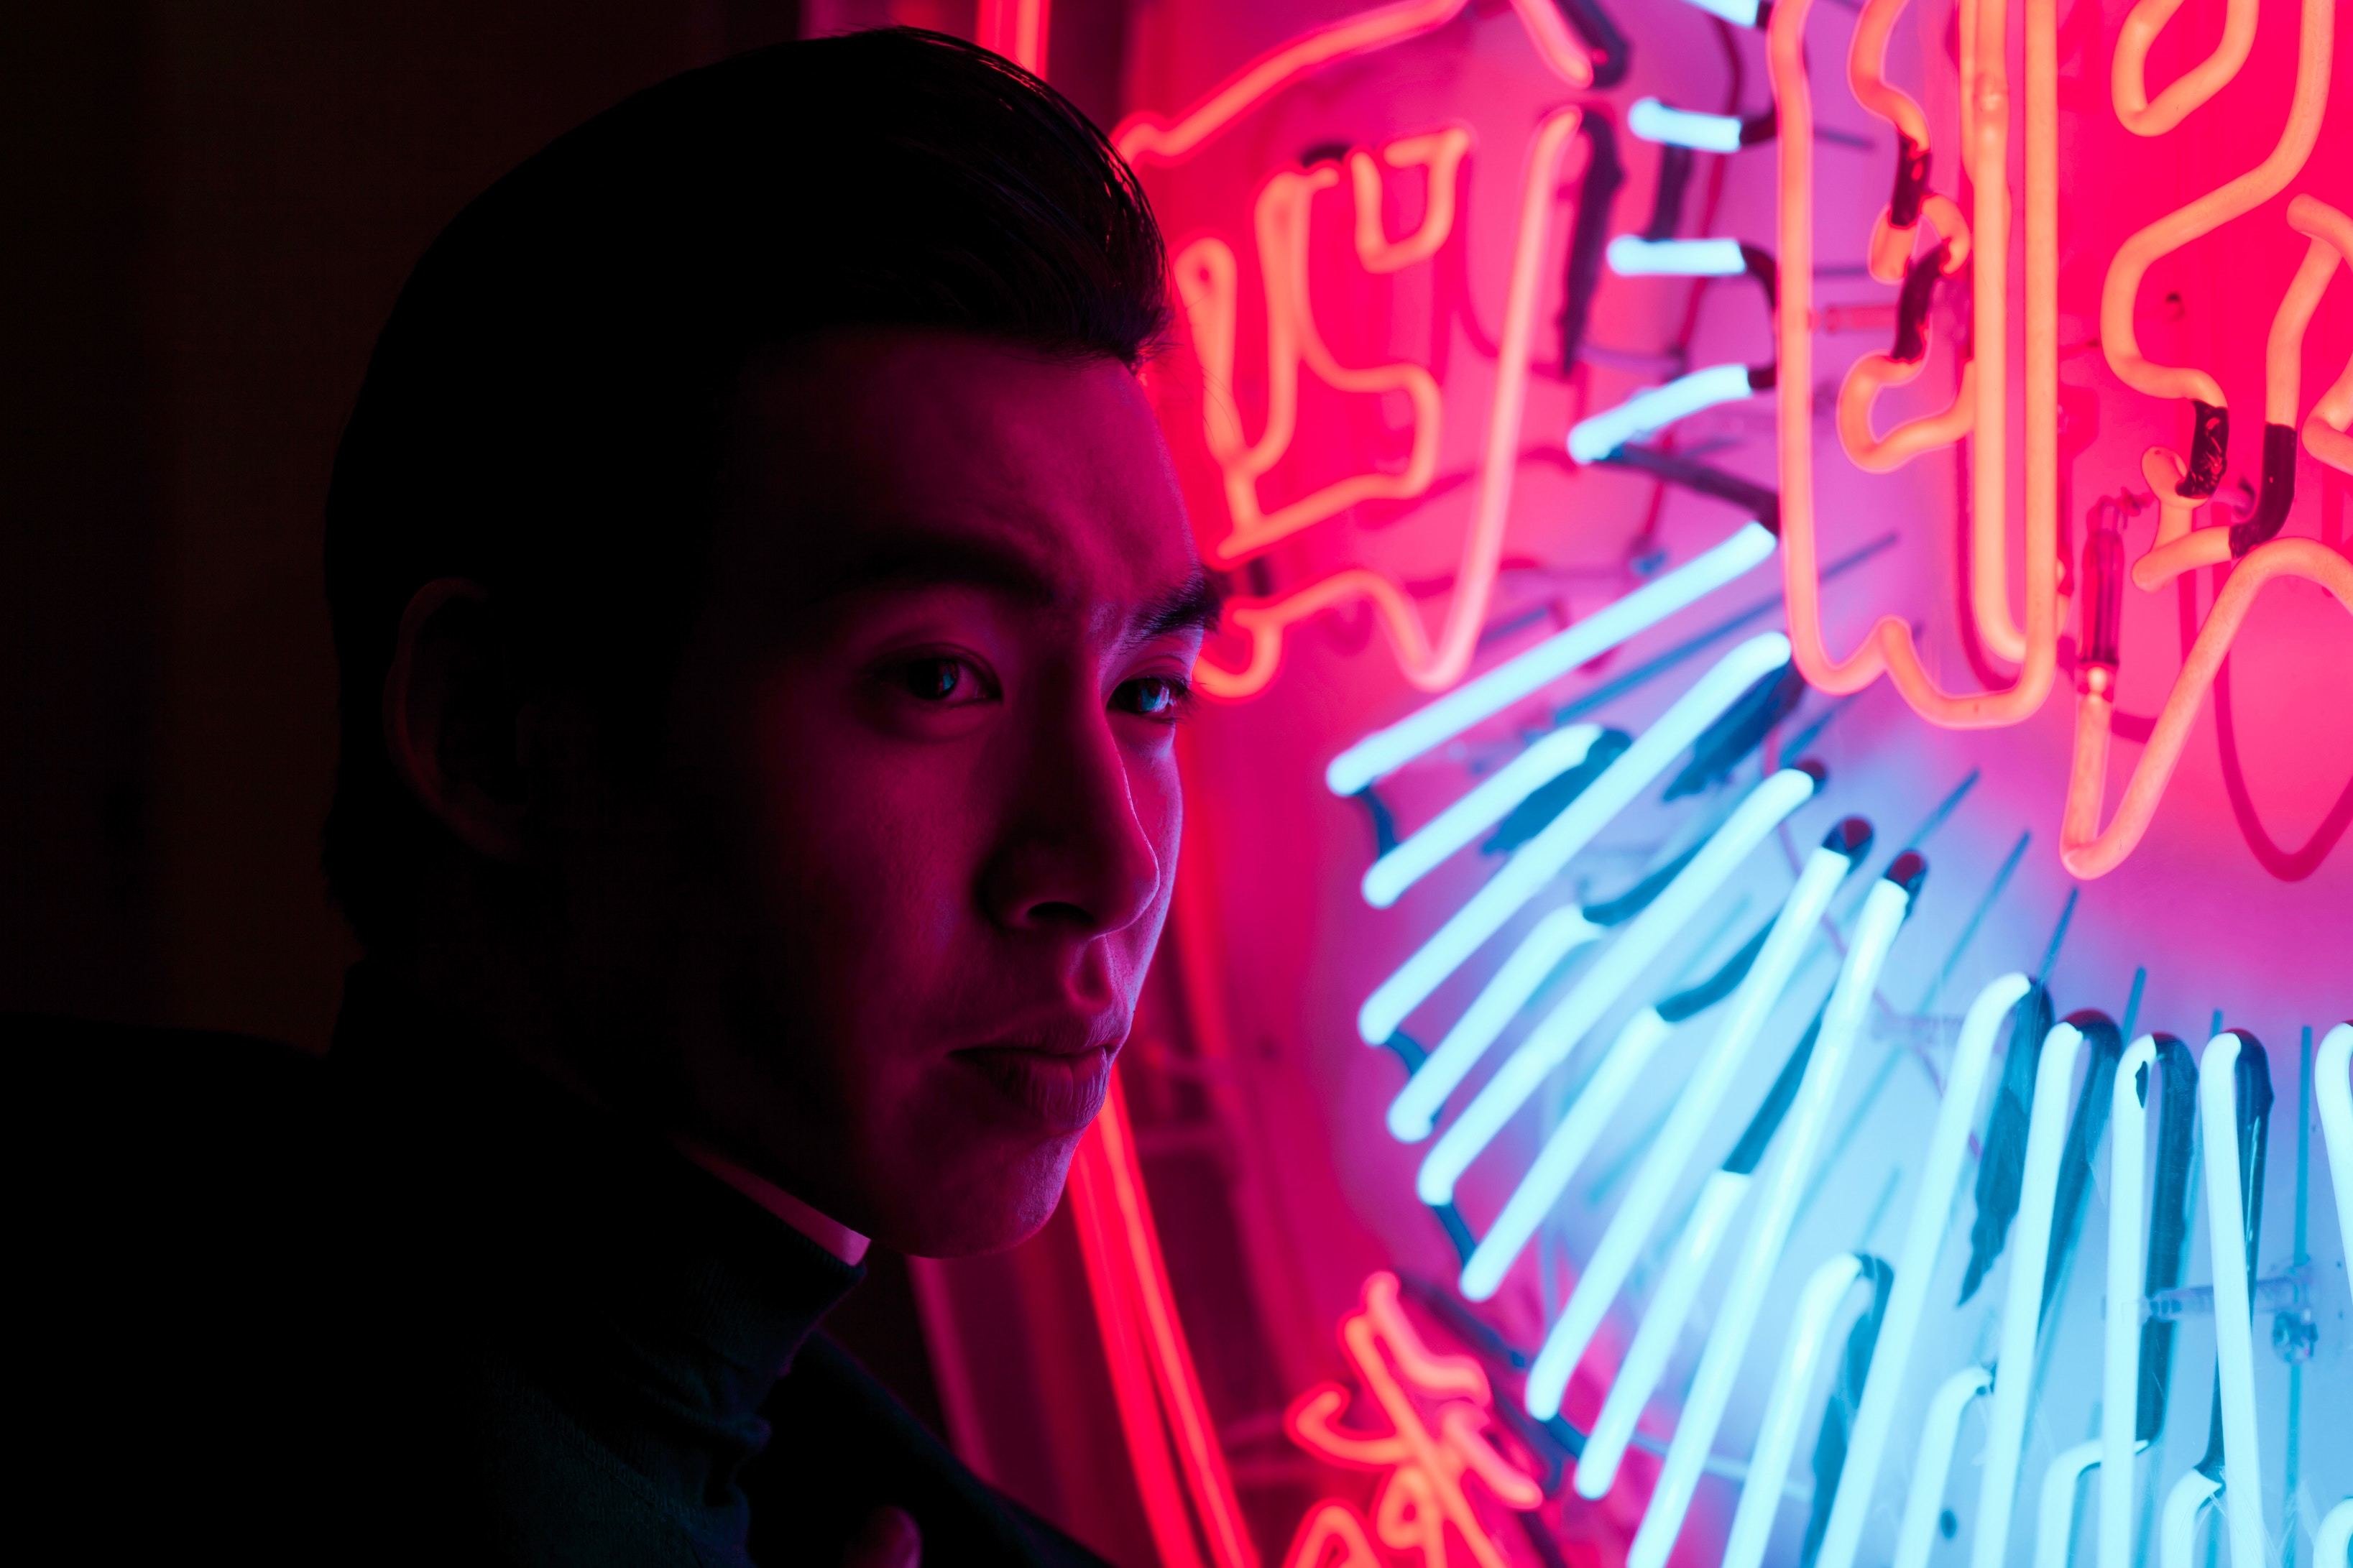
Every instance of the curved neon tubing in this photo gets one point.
(1148, 136)
(2054, 1526)
(1441, 153)
(1484, 807)
(1924, 1237)
(1654, 122)
(2325, 432)
(1711, 1078)
(1385, 751)
(2189, 91)
(2331, 1540)
(1592, 440)
(1654, 1341)
(1536, 862)
(2176, 1530)
(1631, 255)
(2085, 848)
(1776, 1438)
(2022, 1307)
(2331, 1090)
(1739, 13)
(1940, 1431)
(1413, 1115)
(1596, 1106)
(1560, 1031)
(1434, 665)
(1767, 1232)
(2331, 234)
(2120, 1362)
(2234, 1345)
(1876, 454)
(1889, 649)
(2209, 211)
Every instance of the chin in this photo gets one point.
(989, 1209)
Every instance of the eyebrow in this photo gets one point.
(940, 559)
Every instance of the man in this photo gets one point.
(762, 604)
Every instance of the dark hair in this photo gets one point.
(542, 411)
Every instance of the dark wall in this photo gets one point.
(211, 207)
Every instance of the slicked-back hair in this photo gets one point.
(544, 411)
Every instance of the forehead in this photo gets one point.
(878, 453)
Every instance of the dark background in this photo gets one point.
(209, 207)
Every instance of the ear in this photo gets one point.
(453, 718)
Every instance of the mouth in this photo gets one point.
(1057, 1088)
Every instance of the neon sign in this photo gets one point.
(1424, 1459)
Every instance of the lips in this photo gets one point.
(1056, 1086)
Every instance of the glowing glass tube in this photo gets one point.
(1385, 751)
(1884, 908)
(1739, 13)
(1899, 1326)
(1476, 812)
(2234, 1345)
(1589, 440)
(1536, 862)
(1631, 255)
(2022, 1307)
(2331, 1090)
(2332, 1540)
(1776, 1439)
(2120, 1363)
(1654, 122)
(2056, 1518)
(1711, 1079)
(1560, 1031)
(1939, 1432)
(1622, 1068)
(1661, 1326)
(2177, 1532)
(1413, 1115)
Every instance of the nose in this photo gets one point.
(1080, 856)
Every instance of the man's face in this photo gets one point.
(925, 738)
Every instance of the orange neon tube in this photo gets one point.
(2324, 432)
(1440, 153)
(2129, 79)
(1018, 30)
(1205, 276)
(1147, 136)
(1889, 649)
(2085, 848)
(2209, 212)
(1428, 664)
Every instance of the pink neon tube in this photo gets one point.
(1889, 649)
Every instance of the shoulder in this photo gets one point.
(843, 1446)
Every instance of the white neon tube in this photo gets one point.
(1710, 1080)
(2334, 1539)
(1924, 1237)
(2022, 1307)
(1940, 1431)
(2331, 1089)
(1739, 13)
(1776, 1439)
(1536, 862)
(1413, 1115)
(2055, 1518)
(1769, 1229)
(1557, 1035)
(1654, 122)
(2120, 1363)
(1662, 1325)
(1593, 438)
(2177, 1532)
(1631, 255)
(1385, 751)
(2234, 1343)
(1484, 807)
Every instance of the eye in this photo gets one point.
(1162, 697)
(940, 680)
